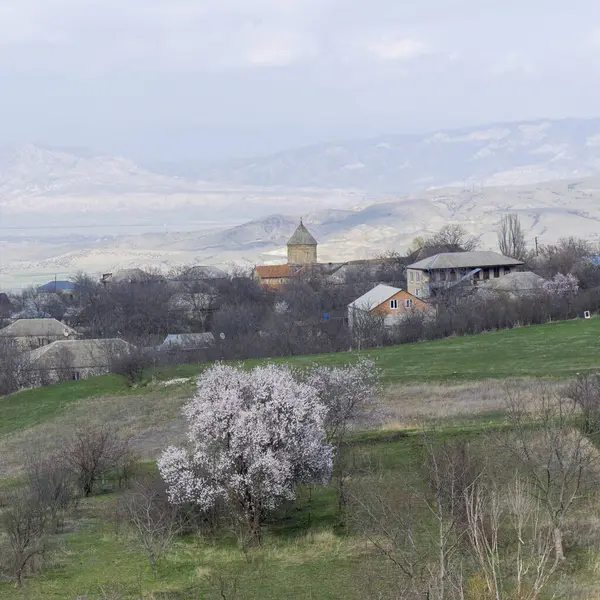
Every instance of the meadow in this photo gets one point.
(307, 553)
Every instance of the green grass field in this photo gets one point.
(305, 555)
(558, 350)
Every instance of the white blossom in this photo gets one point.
(253, 436)
(562, 286)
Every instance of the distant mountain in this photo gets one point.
(498, 154)
(31, 170)
(547, 211)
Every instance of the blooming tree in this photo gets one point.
(562, 286)
(253, 436)
(349, 394)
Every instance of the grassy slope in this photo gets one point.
(297, 561)
(552, 350)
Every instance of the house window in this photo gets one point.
(452, 276)
(393, 304)
(409, 303)
(442, 275)
(486, 274)
(412, 275)
(418, 292)
(496, 272)
(418, 275)
(507, 270)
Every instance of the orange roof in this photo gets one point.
(274, 271)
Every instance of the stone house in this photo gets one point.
(29, 334)
(75, 359)
(448, 269)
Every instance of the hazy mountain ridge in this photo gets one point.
(497, 154)
(547, 211)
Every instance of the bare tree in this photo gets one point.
(152, 518)
(92, 452)
(25, 524)
(557, 458)
(525, 567)
(511, 238)
(368, 329)
(455, 238)
(585, 393)
(50, 486)
(15, 371)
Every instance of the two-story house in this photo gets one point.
(448, 269)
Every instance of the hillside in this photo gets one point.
(494, 154)
(457, 385)
(557, 350)
(547, 211)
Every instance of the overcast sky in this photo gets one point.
(174, 79)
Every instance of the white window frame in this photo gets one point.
(409, 303)
(412, 275)
(418, 275)
(393, 304)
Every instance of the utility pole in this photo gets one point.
(537, 252)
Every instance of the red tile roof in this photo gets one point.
(274, 271)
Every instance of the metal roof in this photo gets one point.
(190, 340)
(375, 297)
(78, 353)
(464, 260)
(60, 286)
(514, 282)
(37, 328)
(302, 237)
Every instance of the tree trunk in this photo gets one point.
(558, 545)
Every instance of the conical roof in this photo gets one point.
(302, 237)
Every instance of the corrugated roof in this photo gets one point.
(78, 353)
(302, 237)
(375, 297)
(464, 260)
(190, 340)
(37, 328)
(274, 271)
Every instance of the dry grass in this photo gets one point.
(408, 406)
(153, 421)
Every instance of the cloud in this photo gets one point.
(403, 49)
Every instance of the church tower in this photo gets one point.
(302, 247)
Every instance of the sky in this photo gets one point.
(162, 80)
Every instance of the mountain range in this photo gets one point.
(497, 154)
(63, 210)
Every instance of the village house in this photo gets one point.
(448, 269)
(30, 334)
(389, 303)
(75, 359)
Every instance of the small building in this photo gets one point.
(445, 270)
(75, 359)
(389, 303)
(57, 287)
(125, 276)
(188, 341)
(30, 334)
(517, 284)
